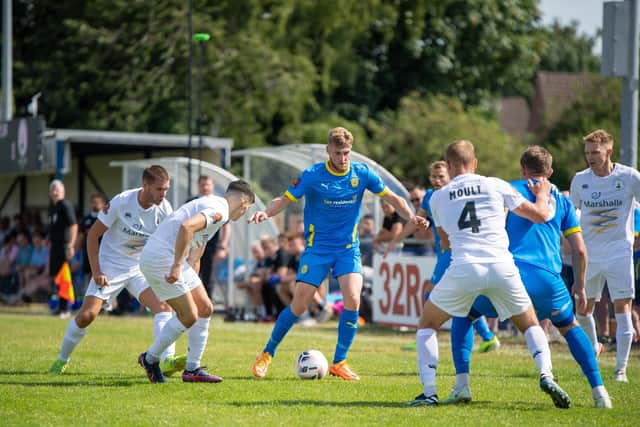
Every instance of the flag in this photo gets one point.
(65, 285)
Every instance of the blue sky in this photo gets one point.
(588, 13)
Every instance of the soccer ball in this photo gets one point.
(312, 365)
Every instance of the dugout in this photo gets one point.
(274, 168)
(242, 233)
(81, 159)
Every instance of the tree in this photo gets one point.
(408, 140)
(564, 49)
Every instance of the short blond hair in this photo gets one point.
(460, 152)
(600, 137)
(340, 137)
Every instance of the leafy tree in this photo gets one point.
(597, 107)
(564, 49)
(408, 140)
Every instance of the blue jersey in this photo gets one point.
(539, 244)
(427, 208)
(332, 204)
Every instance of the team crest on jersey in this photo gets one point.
(619, 185)
(127, 214)
(354, 182)
(596, 195)
(585, 186)
(304, 269)
(295, 182)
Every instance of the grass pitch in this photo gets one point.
(105, 386)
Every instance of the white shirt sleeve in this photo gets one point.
(112, 213)
(574, 194)
(512, 198)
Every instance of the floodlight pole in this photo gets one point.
(201, 39)
(189, 98)
(629, 112)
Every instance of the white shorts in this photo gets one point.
(617, 273)
(135, 284)
(500, 282)
(155, 274)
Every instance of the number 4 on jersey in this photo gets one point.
(469, 211)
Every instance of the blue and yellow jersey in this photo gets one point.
(427, 208)
(332, 202)
(539, 244)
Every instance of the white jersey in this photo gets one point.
(216, 212)
(129, 227)
(470, 209)
(606, 204)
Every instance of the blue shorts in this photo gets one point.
(315, 264)
(548, 293)
(442, 263)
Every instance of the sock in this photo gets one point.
(347, 328)
(461, 343)
(159, 320)
(285, 321)
(598, 392)
(588, 324)
(624, 336)
(168, 335)
(539, 349)
(427, 346)
(198, 335)
(462, 381)
(482, 329)
(72, 337)
(580, 348)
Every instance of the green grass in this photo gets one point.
(104, 385)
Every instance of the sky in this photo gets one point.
(588, 13)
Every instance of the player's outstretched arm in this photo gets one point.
(93, 242)
(276, 206)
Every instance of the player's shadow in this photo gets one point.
(320, 403)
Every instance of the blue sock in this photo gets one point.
(582, 351)
(461, 343)
(285, 321)
(481, 327)
(347, 328)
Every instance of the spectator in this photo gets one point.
(63, 229)
(423, 237)
(23, 260)
(8, 279)
(277, 261)
(392, 225)
(366, 234)
(5, 227)
(253, 284)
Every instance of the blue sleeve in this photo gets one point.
(374, 182)
(299, 186)
(570, 222)
(636, 220)
(424, 205)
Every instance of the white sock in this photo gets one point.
(462, 381)
(168, 335)
(72, 337)
(539, 349)
(624, 336)
(427, 346)
(599, 391)
(588, 323)
(198, 335)
(159, 320)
